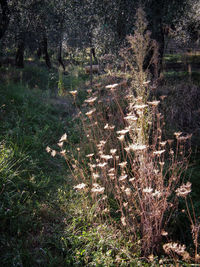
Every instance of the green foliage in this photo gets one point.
(27, 174)
(92, 244)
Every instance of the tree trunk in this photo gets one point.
(91, 75)
(60, 56)
(4, 17)
(39, 52)
(45, 52)
(19, 59)
(156, 28)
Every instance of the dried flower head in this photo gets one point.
(106, 157)
(60, 144)
(102, 165)
(130, 118)
(122, 178)
(48, 149)
(112, 86)
(137, 147)
(154, 103)
(174, 247)
(184, 190)
(97, 189)
(91, 112)
(128, 192)
(113, 151)
(177, 134)
(73, 93)
(53, 153)
(140, 107)
(147, 190)
(63, 138)
(123, 220)
(123, 164)
(123, 132)
(121, 138)
(109, 127)
(159, 152)
(91, 100)
(89, 91)
(90, 155)
(80, 186)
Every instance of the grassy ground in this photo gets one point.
(43, 221)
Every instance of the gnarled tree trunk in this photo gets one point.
(60, 55)
(45, 51)
(19, 59)
(4, 19)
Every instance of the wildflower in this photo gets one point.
(125, 204)
(89, 91)
(112, 170)
(106, 210)
(159, 152)
(174, 247)
(102, 165)
(130, 118)
(123, 164)
(111, 175)
(74, 93)
(140, 107)
(131, 179)
(112, 86)
(162, 163)
(122, 178)
(113, 151)
(177, 134)
(90, 155)
(63, 138)
(127, 149)
(184, 190)
(123, 220)
(164, 233)
(109, 127)
(151, 258)
(128, 192)
(48, 149)
(53, 153)
(147, 82)
(123, 132)
(121, 138)
(97, 189)
(95, 175)
(163, 143)
(90, 113)
(137, 147)
(106, 157)
(157, 194)
(62, 152)
(91, 100)
(154, 103)
(184, 138)
(92, 166)
(80, 186)
(147, 190)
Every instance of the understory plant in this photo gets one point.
(132, 164)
